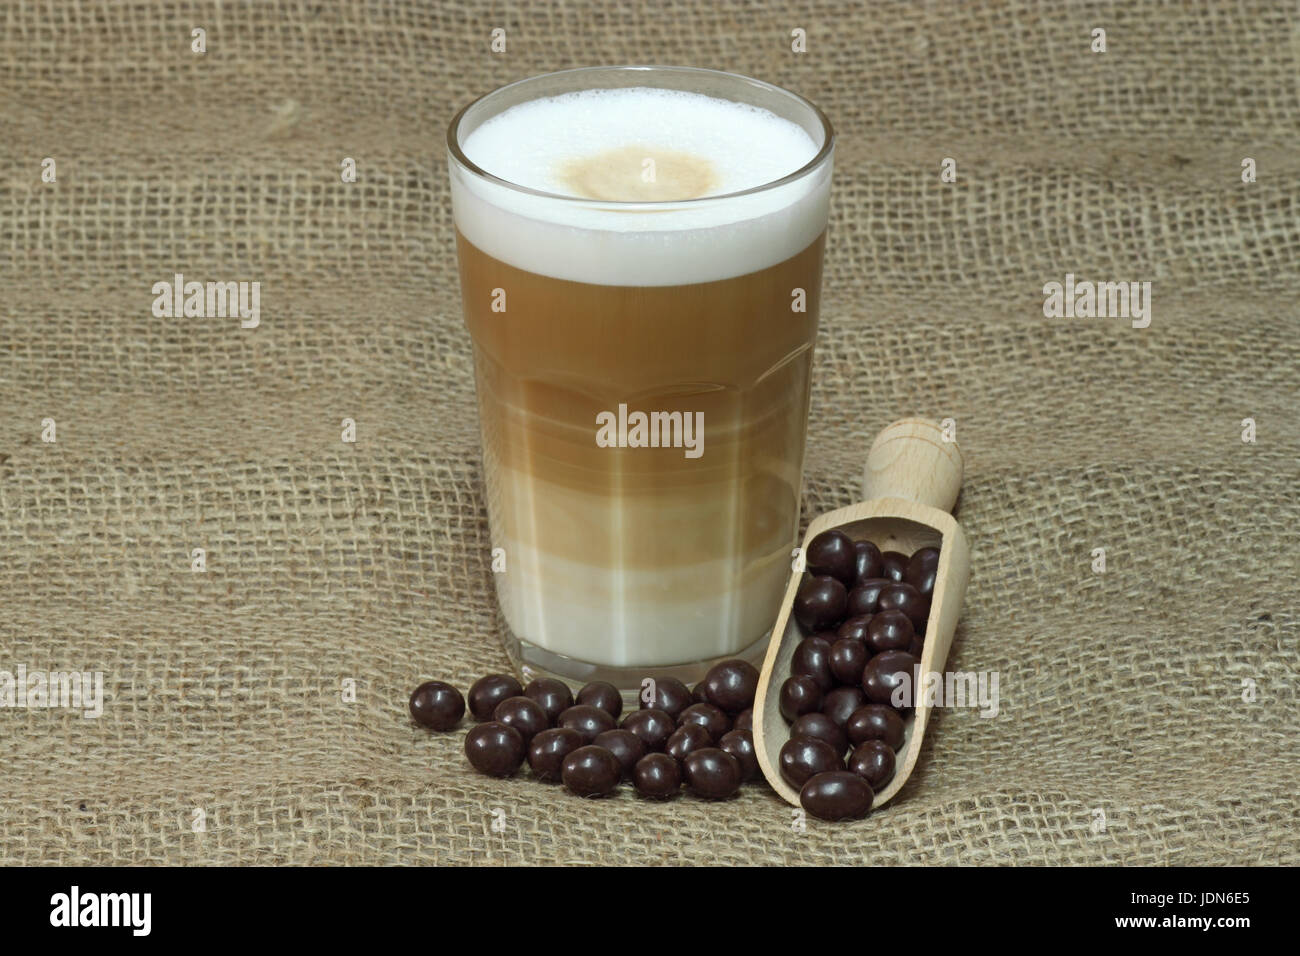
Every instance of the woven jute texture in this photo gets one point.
(1148, 713)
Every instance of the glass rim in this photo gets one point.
(827, 146)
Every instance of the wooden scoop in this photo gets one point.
(911, 482)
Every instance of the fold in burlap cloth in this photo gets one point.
(1122, 693)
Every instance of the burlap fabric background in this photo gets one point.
(1121, 692)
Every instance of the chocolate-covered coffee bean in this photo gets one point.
(804, 757)
(799, 695)
(744, 720)
(832, 553)
(854, 629)
(657, 776)
(823, 728)
(591, 771)
(548, 749)
(847, 659)
(840, 704)
(876, 722)
(820, 603)
(922, 569)
(667, 694)
(711, 773)
(490, 690)
(740, 744)
(873, 761)
(893, 565)
(623, 744)
(687, 739)
(587, 720)
(836, 795)
(652, 725)
(867, 563)
(730, 685)
(554, 696)
(437, 705)
(903, 597)
(711, 718)
(812, 658)
(890, 631)
(864, 599)
(887, 671)
(494, 748)
(602, 695)
(524, 714)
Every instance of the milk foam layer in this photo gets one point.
(537, 145)
(531, 144)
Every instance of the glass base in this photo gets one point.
(532, 662)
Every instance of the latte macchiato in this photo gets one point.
(642, 369)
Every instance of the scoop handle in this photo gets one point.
(910, 459)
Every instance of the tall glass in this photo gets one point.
(643, 377)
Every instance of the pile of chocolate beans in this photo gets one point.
(863, 614)
(702, 737)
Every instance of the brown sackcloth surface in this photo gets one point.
(1121, 692)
